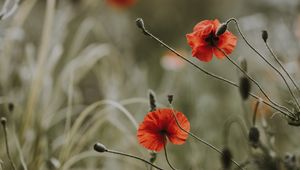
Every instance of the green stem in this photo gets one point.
(264, 58)
(166, 155)
(135, 157)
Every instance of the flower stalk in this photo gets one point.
(3, 122)
(264, 58)
(146, 32)
(102, 149)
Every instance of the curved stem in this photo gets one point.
(256, 83)
(6, 145)
(135, 157)
(228, 124)
(146, 32)
(280, 64)
(199, 139)
(167, 159)
(264, 58)
(255, 112)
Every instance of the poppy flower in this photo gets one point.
(160, 125)
(203, 41)
(121, 3)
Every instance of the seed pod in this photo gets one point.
(226, 158)
(99, 147)
(153, 156)
(152, 101)
(170, 98)
(264, 35)
(245, 87)
(140, 23)
(3, 120)
(254, 137)
(221, 29)
(11, 107)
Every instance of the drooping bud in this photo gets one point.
(245, 87)
(152, 101)
(221, 29)
(170, 98)
(226, 158)
(290, 161)
(254, 137)
(99, 147)
(264, 35)
(153, 156)
(11, 107)
(3, 120)
(140, 24)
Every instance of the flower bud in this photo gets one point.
(99, 147)
(170, 98)
(221, 29)
(264, 35)
(140, 23)
(3, 120)
(153, 156)
(226, 158)
(152, 101)
(254, 136)
(245, 87)
(11, 107)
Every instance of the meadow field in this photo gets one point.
(149, 84)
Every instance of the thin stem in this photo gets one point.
(166, 155)
(146, 32)
(280, 64)
(228, 123)
(199, 139)
(264, 58)
(135, 157)
(255, 112)
(3, 122)
(255, 82)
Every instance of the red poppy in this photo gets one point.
(121, 3)
(160, 125)
(203, 41)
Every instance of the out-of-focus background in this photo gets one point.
(79, 72)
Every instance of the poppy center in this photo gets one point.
(212, 39)
(163, 132)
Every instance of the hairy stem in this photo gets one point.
(264, 58)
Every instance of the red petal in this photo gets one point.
(176, 135)
(203, 53)
(150, 135)
(227, 43)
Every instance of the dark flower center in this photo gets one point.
(163, 132)
(212, 39)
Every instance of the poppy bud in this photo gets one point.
(264, 35)
(244, 64)
(245, 87)
(290, 161)
(152, 101)
(170, 98)
(226, 158)
(254, 136)
(3, 120)
(11, 107)
(140, 24)
(99, 147)
(221, 29)
(153, 156)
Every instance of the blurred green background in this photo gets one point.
(75, 68)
